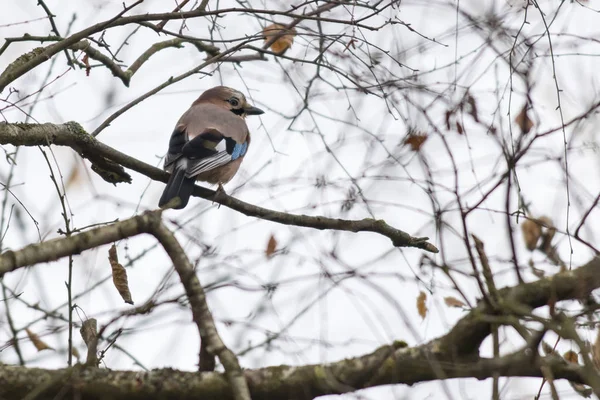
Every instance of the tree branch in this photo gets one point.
(202, 316)
(468, 333)
(392, 364)
(126, 75)
(148, 222)
(29, 61)
(454, 355)
(73, 135)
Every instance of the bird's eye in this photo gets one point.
(234, 102)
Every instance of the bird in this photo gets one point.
(208, 143)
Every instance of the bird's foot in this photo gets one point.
(218, 193)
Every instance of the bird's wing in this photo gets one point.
(223, 157)
(207, 136)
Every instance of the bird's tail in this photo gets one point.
(178, 186)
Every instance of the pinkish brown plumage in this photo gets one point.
(209, 142)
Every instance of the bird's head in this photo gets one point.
(231, 99)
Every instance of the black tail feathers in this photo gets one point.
(178, 186)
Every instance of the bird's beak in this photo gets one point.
(251, 110)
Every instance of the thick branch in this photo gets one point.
(387, 365)
(202, 315)
(148, 222)
(28, 38)
(451, 356)
(55, 249)
(469, 332)
(72, 135)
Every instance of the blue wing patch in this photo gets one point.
(239, 150)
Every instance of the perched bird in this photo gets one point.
(208, 144)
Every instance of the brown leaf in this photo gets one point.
(523, 121)
(89, 330)
(415, 140)
(447, 118)
(86, 62)
(421, 306)
(271, 246)
(571, 357)
(459, 128)
(596, 351)
(37, 342)
(473, 107)
(532, 232)
(350, 43)
(89, 334)
(119, 275)
(454, 302)
(283, 42)
(548, 349)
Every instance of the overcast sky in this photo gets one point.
(339, 294)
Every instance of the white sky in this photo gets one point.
(357, 314)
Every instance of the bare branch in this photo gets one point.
(393, 364)
(55, 249)
(202, 315)
(72, 135)
(150, 223)
(454, 354)
(126, 75)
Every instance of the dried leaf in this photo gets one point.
(543, 228)
(89, 330)
(89, 333)
(454, 302)
(350, 43)
(548, 349)
(37, 342)
(271, 246)
(473, 107)
(86, 62)
(523, 121)
(596, 351)
(532, 232)
(119, 275)
(448, 115)
(283, 42)
(571, 357)
(421, 306)
(415, 140)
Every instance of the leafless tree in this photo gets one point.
(418, 203)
